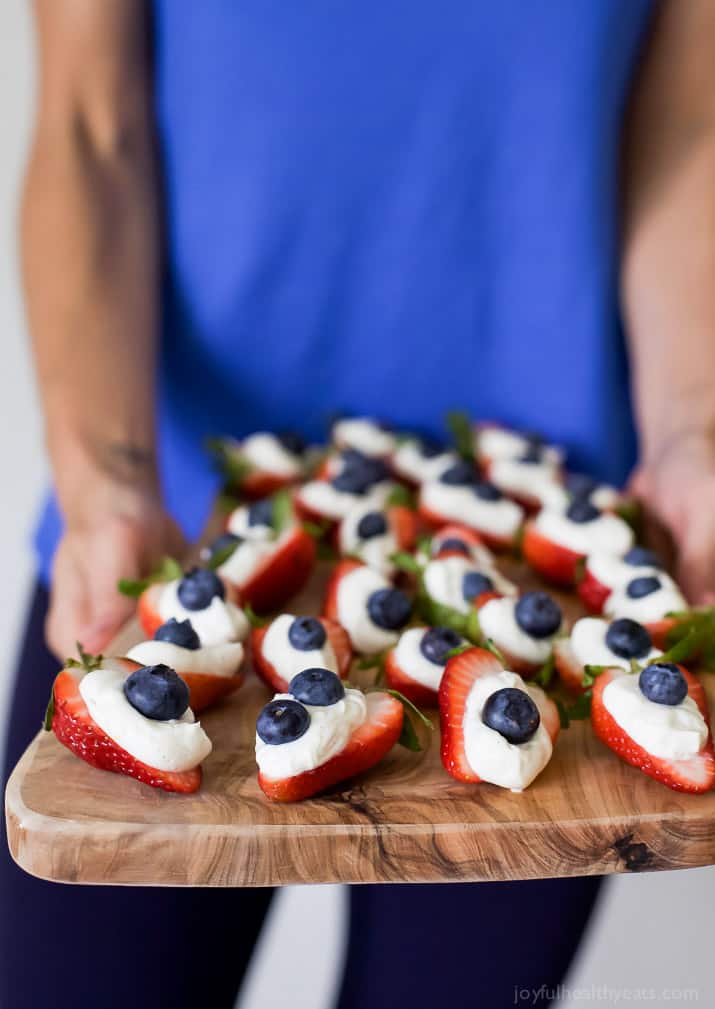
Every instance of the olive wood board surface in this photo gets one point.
(404, 821)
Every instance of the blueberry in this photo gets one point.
(316, 686)
(306, 634)
(222, 543)
(474, 584)
(178, 632)
(352, 457)
(582, 510)
(282, 721)
(454, 544)
(628, 639)
(640, 557)
(511, 713)
(157, 692)
(372, 524)
(461, 474)
(579, 485)
(486, 491)
(663, 683)
(645, 586)
(538, 614)
(430, 448)
(359, 477)
(260, 513)
(292, 442)
(533, 453)
(389, 609)
(437, 642)
(198, 587)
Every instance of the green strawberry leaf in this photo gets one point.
(85, 662)
(219, 557)
(459, 650)
(472, 629)
(371, 661)
(437, 615)
(283, 515)
(460, 427)
(406, 562)
(491, 647)
(590, 672)
(49, 711)
(579, 710)
(409, 738)
(253, 618)
(546, 674)
(167, 570)
(401, 496)
(316, 529)
(228, 461)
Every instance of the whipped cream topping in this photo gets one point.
(443, 580)
(409, 462)
(238, 524)
(409, 657)
(289, 661)
(374, 551)
(538, 481)
(648, 609)
(224, 659)
(606, 534)
(364, 435)
(588, 643)
(496, 442)
(175, 745)
(246, 560)
(613, 572)
(327, 735)
(672, 732)
(265, 452)
(218, 622)
(500, 518)
(497, 620)
(321, 497)
(492, 757)
(354, 590)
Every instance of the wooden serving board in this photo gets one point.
(406, 820)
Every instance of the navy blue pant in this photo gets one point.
(88, 947)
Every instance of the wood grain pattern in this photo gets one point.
(587, 813)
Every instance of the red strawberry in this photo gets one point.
(453, 531)
(206, 689)
(404, 525)
(433, 520)
(696, 774)
(593, 593)
(282, 574)
(306, 514)
(660, 630)
(257, 484)
(75, 729)
(555, 563)
(568, 667)
(148, 609)
(398, 679)
(337, 636)
(368, 744)
(342, 568)
(457, 681)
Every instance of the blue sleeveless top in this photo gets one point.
(395, 207)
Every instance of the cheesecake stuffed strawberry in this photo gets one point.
(209, 671)
(358, 480)
(373, 535)
(533, 478)
(557, 541)
(290, 644)
(130, 719)
(319, 733)
(199, 596)
(653, 600)
(457, 540)
(364, 602)
(453, 586)
(365, 435)
(594, 641)
(605, 572)
(496, 442)
(524, 629)
(495, 727)
(657, 721)
(459, 495)
(261, 463)
(417, 662)
(418, 460)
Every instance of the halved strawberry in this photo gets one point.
(337, 636)
(148, 609)
(206, 689)
(306, 514)
(453, 531)
(433, 520)
(554, 562)
(659, 631)
(592, 592)
(459, 677)
(257, 484)
(398, 679)
(76, 729)
(568, 667)
(282, 574)
(367, 745)
(404, 524)
(342, 568)
(695, 774)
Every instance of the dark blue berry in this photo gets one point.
(533, 453)
(628, 639)
(292, 442)
(645, 586)
(198, 587)
(437, 642)
(306, 634)
(430, 448)
(372, 524)
(359, 477)
(389, 609)
(461, 474)
(663, 683)
(511, 713)
(486, 491)
(223, 544)
(453, 544)
(352, 457)
(579, 485)
(178, 632)
(260, 513)
(641, 557)
(538, 614)
(582, 510)
(282, 721)
(319, 687)
(157, 692)
(474, 584)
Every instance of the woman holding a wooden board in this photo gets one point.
(242, 220)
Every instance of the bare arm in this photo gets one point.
(90, 247)
(669, 280)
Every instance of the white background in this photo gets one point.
(652, 931)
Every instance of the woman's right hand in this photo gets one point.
(120, 533)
